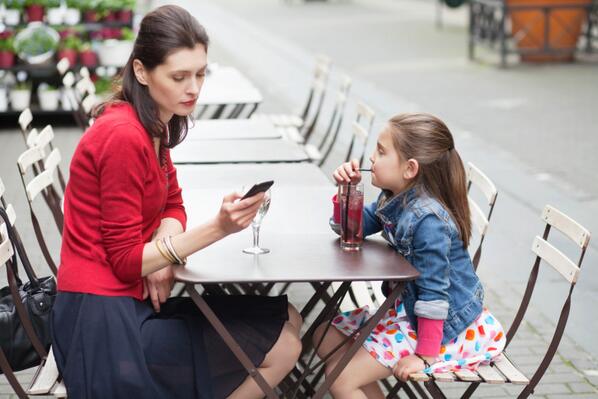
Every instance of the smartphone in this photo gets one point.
(258, 188)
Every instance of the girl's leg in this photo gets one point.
(295, 319)
(278, 363)
(360, 376)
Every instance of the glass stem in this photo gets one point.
(256, 235)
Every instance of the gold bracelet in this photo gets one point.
(164, 253)
(167, 241)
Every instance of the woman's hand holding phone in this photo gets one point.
(236, 214)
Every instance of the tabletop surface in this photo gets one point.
(303, 247)
(232, 129)
(237, 151)
(232, 177)
(227, 85)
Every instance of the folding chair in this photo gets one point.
(502, 370)
(317, 153)
(42, 182)
(68, 81)
(42, 140)
(480, 221)
(312, 105)
(25, 119)
(63, 66)
(361, 129)
(10, 247)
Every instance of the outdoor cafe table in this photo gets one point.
(232, 129)
(303, 249)
(237, 151)
(224, 86)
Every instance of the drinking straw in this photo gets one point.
(346, 221)
(364, 170)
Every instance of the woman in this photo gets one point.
(125, 231)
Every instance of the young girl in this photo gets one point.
(439, 322)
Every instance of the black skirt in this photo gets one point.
(117, 347)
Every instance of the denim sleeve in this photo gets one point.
(371, 222)
(431, 247)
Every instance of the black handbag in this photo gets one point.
(24, 311)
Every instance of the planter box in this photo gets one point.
(7, 59)
(546, 28)
(48, 99)
(115, 52)
(20, 99)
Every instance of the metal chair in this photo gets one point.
(304, 122)
(317, 153)
(480, 221)
(42, 182)
(501, 370)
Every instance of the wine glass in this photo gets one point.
(255, 225)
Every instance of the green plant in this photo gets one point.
(47, 87)
(35, 3)
(128, 4)
(15, 4)
(103, 85)
(70, 43)
(38, 42)
(52, 3)
(22, 86)
(127, 34)
(7, 44)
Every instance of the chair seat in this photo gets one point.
(281, 120)
(501, 371)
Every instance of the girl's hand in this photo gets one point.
(348, 173)
(408, 365)
(236, 215)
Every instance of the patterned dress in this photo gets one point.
(394, 338)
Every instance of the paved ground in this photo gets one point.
(531, 129)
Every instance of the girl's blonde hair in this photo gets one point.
(441, 174)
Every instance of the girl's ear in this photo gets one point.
(411, 170)
(139, 71)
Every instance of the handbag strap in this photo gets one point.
(20, 249)
(42, 243)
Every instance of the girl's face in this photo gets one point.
(389, 171)
(175, 84)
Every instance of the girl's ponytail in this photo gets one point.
(441, 175)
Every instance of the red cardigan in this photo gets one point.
(115, 199)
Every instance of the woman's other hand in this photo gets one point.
(158, 285)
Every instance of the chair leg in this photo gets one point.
(470, 390)
(434, 389)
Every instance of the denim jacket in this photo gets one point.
(421, 230)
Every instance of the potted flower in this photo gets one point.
(90, 9)
(48, 96)
(35, 10)
(72, 15)
(68, 48)
(12, 13)
(20, 96)
(109, 9)
(87, 57)
(125, 14)
(116, 52)
(561, 26)
(37, 43)
(54, 13)
(7, 51)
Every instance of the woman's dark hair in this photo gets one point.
(162, 32)
(441, 174)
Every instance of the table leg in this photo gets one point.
(359, 340)
(231, 342)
